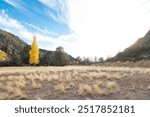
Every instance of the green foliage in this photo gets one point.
(48, 59)
(61, 58)
(18, 52)
(101, 60)
(78, 59)
(13, 47)
(56, 58)
(25, 55)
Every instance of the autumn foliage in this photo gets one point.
(34, 53)
(3, 56)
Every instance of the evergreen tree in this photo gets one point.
(34, 52)
(61, 57)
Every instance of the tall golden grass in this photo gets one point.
(30, 82)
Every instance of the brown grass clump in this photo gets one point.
(84, 89)
(18, 94)
(148, 87)
(99, 83)
(60, 87)
(20, 83)
(3, 96)
(12, 93)
(69, 85)
(101, 88)
(10, 89)
(36, 85)
(98, 91)
(111, 85)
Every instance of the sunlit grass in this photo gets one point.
(19, 82)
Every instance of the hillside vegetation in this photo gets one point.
(18, 52)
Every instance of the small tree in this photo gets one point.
(61, 57)
(34, 52)
(79, 59)
(95, 59)
(101, 60)
(3, 56)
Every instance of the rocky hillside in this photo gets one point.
(138, 51)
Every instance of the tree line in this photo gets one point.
(30, 55)
(17, 53)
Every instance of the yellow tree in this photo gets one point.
(34, 52)
(3, 56)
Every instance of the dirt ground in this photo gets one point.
(75, 82)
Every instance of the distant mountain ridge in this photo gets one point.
(140, 50)
(18, 50)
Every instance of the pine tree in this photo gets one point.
(34, 52)
(3, 56)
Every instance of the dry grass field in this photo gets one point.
(74, 82)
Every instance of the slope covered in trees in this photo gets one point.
(18, 51)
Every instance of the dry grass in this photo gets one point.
(60, 87)
(140, 63)
(12, 92)
(111, 85)
(46, 82)
(148, 87)
(84, 89)
(36, 85)
(98, 88)
(98, 91)
(69, 85)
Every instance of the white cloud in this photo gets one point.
(11, 3)
(49, 3)
(12, 25)
(55, 4)
(60, 7)
(107, 26)
(14, 3)
(100, 27)
(43, 31)
(15, 27)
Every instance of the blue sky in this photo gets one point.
(83, 27)
(25, 18)
(36, 16)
